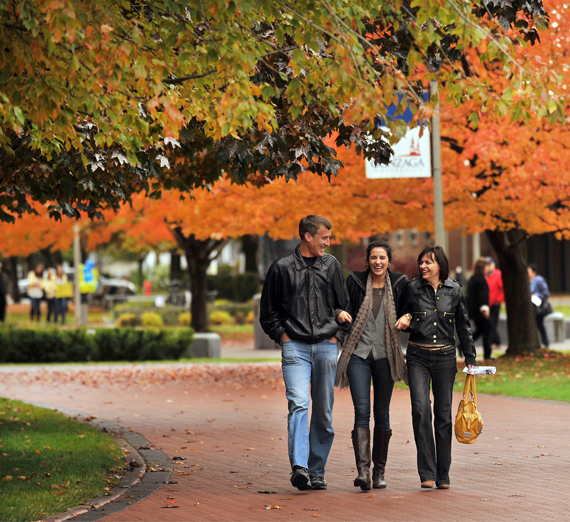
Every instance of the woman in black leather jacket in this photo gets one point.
(438, 307)
(372, 352)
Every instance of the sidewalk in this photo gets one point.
(230, 423)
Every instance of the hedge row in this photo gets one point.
(239, 288)
(104, 344)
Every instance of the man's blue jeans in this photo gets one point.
(309, 371)
(439, 369)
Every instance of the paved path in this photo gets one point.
(229, 422)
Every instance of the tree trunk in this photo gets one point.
(140, 262)
(175, 265)
(510, 248)
(199, 254)
(249, 245)
(13, 261)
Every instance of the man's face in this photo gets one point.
(316, 244)
(489, 268)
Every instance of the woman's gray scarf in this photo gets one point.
(398, 369)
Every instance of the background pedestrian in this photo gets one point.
(478, 303)
(540, 293)
(36, 291)
(494, 279)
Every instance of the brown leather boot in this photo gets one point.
(379, 457)
(361, 443)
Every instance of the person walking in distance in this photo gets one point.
(302, 290)
(494, 279)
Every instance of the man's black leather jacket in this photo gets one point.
(436, 316)
(301, 300)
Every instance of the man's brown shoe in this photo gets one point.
(427, 484)
(443, 486)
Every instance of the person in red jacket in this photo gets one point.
(496, 297)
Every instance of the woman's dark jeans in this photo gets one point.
(60, 309)
(439, 369)
(483, 328)
(360, 373)
(542, 330)
(36, 310)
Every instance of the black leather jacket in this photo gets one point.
(435, 316)
(301, 300)
(356, 284)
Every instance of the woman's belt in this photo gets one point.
(434, 349)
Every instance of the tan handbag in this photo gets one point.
(468, 421)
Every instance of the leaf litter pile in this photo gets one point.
(236, 375)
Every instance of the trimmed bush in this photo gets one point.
(128, 319)
(249, 318)
(104, 344)
(239, 288)
(185, 319)
(221, 317)
(151, 319)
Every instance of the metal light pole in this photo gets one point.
(76, 263)
(440, 238)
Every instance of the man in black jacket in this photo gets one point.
(298, 302)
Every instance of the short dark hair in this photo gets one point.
(479, 266)
(311, 224)
(437, 254)
(533, 267)
(381, 243)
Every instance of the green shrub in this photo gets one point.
(103, 344)
(151, 319)
(185, 319)
(128, 319)
(249, 318)
(239, 288)
(220, 317)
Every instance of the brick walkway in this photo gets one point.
(233, 435)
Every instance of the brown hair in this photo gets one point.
(437, 254)
(381, 243)
(311, 224)
(479, 266)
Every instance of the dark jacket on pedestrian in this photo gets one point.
(301, 300)
(436, 316)
(356, 284)
(477, 296)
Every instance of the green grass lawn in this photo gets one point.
(23, 319)
(545, 375)
(50, 463)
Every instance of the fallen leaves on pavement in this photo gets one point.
(235, 375)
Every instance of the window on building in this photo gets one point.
(413, 237)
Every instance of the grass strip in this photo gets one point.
(50, 463)
(543, 375)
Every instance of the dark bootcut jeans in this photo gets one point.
(439, 369)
